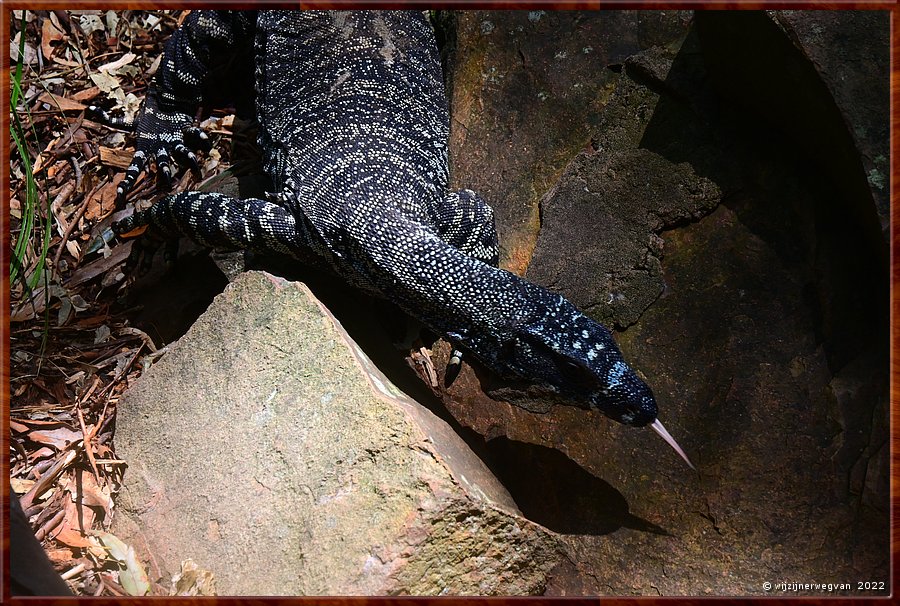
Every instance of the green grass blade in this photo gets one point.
(29, 207)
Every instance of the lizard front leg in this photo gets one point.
(165, 131)
(223, 222)
(466, 222)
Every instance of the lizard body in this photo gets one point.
(354, 127)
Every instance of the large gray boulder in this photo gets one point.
(266, 447)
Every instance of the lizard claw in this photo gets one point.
(164, 167)
(196, 138)
(454, 365)
(286, 198)
(131, 174)
(186, 157)
(166, 138)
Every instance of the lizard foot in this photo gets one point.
(286, 198)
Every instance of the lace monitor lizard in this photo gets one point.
(354, 127)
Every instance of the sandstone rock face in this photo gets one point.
(723, 207)
(823, 78)
(267, 448)
(526, 90)
(608, 261)
(847, 50)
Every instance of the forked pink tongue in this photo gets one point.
(658, 428)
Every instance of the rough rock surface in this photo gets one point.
(267, 448)
(848, 54)
(607, 262)
(822, 77)
(754, 279)
(526, 90)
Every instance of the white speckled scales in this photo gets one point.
(354, 127)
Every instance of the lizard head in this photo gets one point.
(578, 359)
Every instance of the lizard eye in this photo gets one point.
(576, 372)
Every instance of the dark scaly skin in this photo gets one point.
(354, 127)
(165, 128)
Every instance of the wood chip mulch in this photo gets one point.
(72, 349)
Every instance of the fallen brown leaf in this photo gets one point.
(86, 94)
(100, 266)
(61, 555)
(46, 481)
(61, 103)
(20, 486)
(57, 438)
(42, 453)
(66, 62)
(103, 201)
(77, 519)
(39, 163)
(118, 63)
(42, 422)
(91, 494)
(49, 34)
(137, 231)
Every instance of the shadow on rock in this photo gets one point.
(553, 490)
